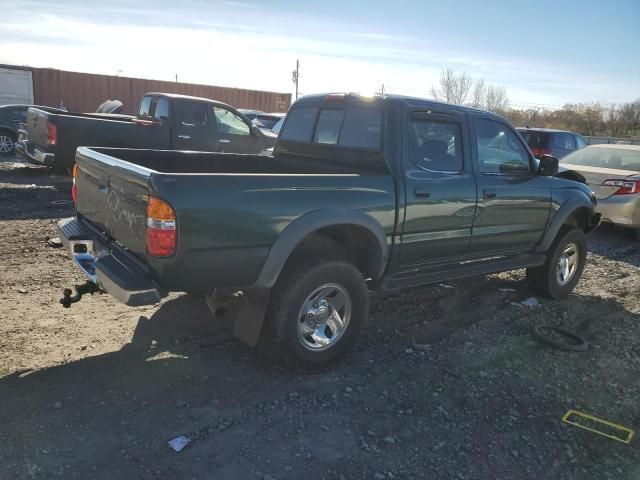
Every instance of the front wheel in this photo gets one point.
(561, 271)
(317, 311)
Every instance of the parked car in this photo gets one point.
(547, 141)
(613, 172)
(266, 121)
(361, 194)
(11, 116)
(165, 121)
(250, 114)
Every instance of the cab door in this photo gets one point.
(194, 128)
(514, 202)
(234, 134)
(440, 188)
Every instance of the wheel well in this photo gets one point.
(352, 243)
(579, 218)
(10, 132)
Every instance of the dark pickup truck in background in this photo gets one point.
(164, 122)
(360, 194)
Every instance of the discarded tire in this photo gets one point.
(576, 344)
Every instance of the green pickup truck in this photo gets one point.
(361, 194)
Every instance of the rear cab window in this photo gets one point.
(348, 126)
(145, 107)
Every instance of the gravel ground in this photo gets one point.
(446, 382)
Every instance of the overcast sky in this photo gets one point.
(545, 53)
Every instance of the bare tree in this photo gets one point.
(477, 99)
(461, 89)
(585, 118)
(496, 99)
(453, 87)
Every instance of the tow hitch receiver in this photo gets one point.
(88, 287)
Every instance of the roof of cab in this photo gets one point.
(387, 98)
(186, 97)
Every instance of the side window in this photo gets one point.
(193, 114)
(229, 122)
(436, 145)
(299, 123)
(499, 149)
(145, 107)
(563, 141)
(328, 129)
(580, 142)
(161, 111)
(362, 128)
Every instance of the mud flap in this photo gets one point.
(249, 308)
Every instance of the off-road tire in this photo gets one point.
(543, 280)
(295, 284)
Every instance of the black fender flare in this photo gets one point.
(565, 210)
(300, 228)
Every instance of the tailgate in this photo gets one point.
(112, 195)
(37, 126)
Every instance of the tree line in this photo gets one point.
(591, 119)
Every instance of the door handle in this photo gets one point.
(224, 140)
(185, 137)
(421, 193)
(489, 194)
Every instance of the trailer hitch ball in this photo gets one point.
(67, 294)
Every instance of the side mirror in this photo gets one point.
(548, 166)
(255, 131)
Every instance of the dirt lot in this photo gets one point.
(96, 391)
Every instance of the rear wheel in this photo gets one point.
(564, 265)
(317, 311)
(7, 144)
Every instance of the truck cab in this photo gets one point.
(204, 125)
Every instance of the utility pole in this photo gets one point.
(296, 76)
(176, 78)
(382, 89)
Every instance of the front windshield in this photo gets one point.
(617, 158)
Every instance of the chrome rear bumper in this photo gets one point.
(108, 266)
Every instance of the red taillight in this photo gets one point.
(625, 187)
(52, 134)
(74, 188)
(161, 228)
(538, 152)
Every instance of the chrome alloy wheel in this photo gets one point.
(567, 263)
(324, 317)
(6, 144)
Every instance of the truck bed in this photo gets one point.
(230, 208)
(75, 129)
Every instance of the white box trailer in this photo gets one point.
(16, 86)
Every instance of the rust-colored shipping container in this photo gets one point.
(84, 92)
